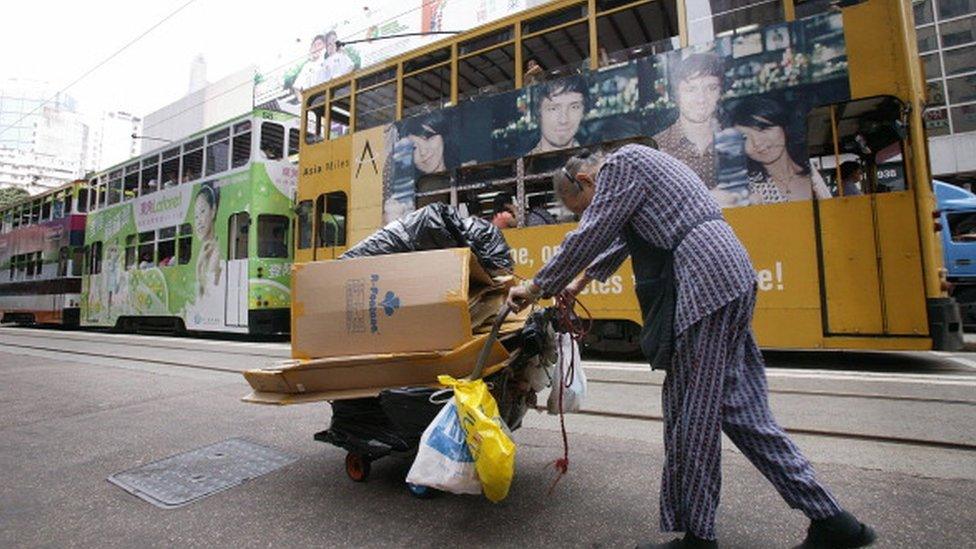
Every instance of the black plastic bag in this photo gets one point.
(437, 226)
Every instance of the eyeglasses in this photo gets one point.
(571, 177)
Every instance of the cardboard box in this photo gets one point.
(301, 381)
(402, 303)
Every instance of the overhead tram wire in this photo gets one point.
(124, 47)
(304, 55)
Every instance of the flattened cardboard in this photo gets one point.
(351, 377)
(397, 303)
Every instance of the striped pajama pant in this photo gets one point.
(717, 383)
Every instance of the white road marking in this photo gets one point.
(963, 361)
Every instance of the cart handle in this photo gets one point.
(479, 366)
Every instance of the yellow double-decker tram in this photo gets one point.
(803, 118)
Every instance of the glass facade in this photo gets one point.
(946, 32)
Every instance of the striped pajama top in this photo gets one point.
(660, 198)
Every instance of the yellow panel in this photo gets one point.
(366, 190)
(901, 262)
(782, 245)
(850, 266)
(875, 49)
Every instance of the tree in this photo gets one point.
(9, 195)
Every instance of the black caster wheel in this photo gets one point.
(357, 467)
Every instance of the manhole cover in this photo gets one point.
(184, 478)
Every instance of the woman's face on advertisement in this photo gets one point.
(428, 151)
(202, 217)
(315, 51)
(764, 145)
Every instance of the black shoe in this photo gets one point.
(690, 541)
(841, 531)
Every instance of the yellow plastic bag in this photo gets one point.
(488, 440)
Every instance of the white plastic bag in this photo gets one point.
(568, 372)
(443, 460)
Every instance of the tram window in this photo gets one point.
(272, 141)
(562, 51)
(147, 249)
(541, 206)
(376, 106)
(130, 251)
(35, 212)
(272, 236)
(82, 199)
(166, 247)
(241, 144)
(239, 225)
(304, 224)
(170, 168)
(293, 141)
(637, 31)
(315, 119)
(46, 209)
(866, 154)
(131, 185)
(710, 18)
(115, 187)
(193, 159)
(331, 214)
(218, 153)
(488, 72)
(94, 254)
(77, 261)
(426, 91)
(339, 106)
(31, 264)
(150, 175)
(68, 198)
(185, 241)
(102, 194)
(63, 262)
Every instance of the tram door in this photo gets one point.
(235, 306)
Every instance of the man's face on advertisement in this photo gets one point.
(698, 98)
(560, 117)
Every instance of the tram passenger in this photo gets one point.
(647, 204)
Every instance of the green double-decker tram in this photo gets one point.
(195, 235)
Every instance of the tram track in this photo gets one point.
(271, 357)
(824, 433)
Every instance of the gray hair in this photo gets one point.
(564, 182)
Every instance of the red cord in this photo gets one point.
(567, 323)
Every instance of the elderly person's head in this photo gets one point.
(575, 184)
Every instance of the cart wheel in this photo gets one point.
(357, 467)
(421, 492)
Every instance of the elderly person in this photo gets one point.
(696, 288)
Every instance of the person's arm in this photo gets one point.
(609, 261)
(618, 194)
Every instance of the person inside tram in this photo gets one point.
(533, 73)
(851, 177)
(538, 214)
(503, 214)
(145, 260)
(559, 107)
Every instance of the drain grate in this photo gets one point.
(184, 478)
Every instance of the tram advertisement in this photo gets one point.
(751, 93)
(166, 254)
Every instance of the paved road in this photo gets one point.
(76, 407)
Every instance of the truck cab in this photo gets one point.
(957, 208)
